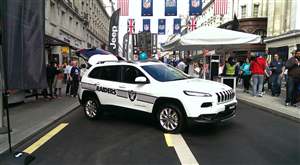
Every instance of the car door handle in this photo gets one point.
(122, 87)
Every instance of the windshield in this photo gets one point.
(164, 72)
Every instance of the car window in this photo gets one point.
(164, 73)
(109, 73)
(130, 73)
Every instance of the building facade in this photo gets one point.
(283, 35)
(72, 25)
(251, 16)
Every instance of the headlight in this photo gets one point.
(199, 94)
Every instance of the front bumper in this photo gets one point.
(228, 113)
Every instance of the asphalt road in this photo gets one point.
(252, 137)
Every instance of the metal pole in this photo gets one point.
(5, 94)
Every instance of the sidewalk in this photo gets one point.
(32, 116)
(272, 104)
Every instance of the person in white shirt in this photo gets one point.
(67, 71)
(181, 65)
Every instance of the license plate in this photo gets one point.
(230, 107)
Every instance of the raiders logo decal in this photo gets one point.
(132, 95)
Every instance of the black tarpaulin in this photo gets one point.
(24, 58)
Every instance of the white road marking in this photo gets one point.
(183, 151)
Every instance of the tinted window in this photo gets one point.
(110, 73)
(130, 73)
(164, 72)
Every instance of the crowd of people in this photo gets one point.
(60, 76)
(254, 73)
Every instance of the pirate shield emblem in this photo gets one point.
(132, 95)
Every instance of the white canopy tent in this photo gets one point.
(211, 38)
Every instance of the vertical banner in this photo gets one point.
(147, 7)
(24, 32)
(154, 43)
(135, 44)
(192, 24)
(146, 25)
(130, 26)
(177, 26)
(114, 33)
(125, 45)
(170, 7)
(161, 26)
(195, 7)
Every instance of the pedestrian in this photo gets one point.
(277, 69)
(58, 84)
(67, 71)
(230, 70)
(181, 65)
(293, 66)
(246, 75)
(189, 68)
(83, 69)
(257, 68)
(75, 77)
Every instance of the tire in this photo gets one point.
(92, 108)
(170, 119)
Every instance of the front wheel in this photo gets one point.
(92, 108)
(170, 118)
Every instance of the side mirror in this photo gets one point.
(141, 80)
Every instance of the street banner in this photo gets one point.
(195, 7)
(177, 26)
(147, 7)
(125, 45)
(135, 44)
(23, 32)
(123, 5)
(154, 43)
(146, 25)
(220, 7)
(170, 7)
(192, 24)
(161, 26)
(130, 26)
(113, 45)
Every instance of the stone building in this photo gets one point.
(74, 24)
(283, 35)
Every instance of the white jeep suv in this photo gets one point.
(153, 87)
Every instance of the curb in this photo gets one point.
(21, 142)
(277, 113)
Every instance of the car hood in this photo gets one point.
(198, 85)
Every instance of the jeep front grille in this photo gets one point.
(225, 96)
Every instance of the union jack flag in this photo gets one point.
(130, 26)
(192, 24)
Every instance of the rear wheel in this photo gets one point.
(92, 108)
(170, 118)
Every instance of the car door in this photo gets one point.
(135, 95)
(107, 80)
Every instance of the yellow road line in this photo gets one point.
(183, 151)
(45, 138)
(169, 140)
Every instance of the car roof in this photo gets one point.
(132, 63)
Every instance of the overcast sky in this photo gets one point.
(158, 13)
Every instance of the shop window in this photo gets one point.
(255, 10)
(244, 11)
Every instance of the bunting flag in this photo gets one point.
(147, 7)
(195, 7)
(177, 26)
(114, 33)
(146, 25)
(161, 26)
(220, 7)
(130, 26)
(170, 7)
(192, 24)
(123, 5)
